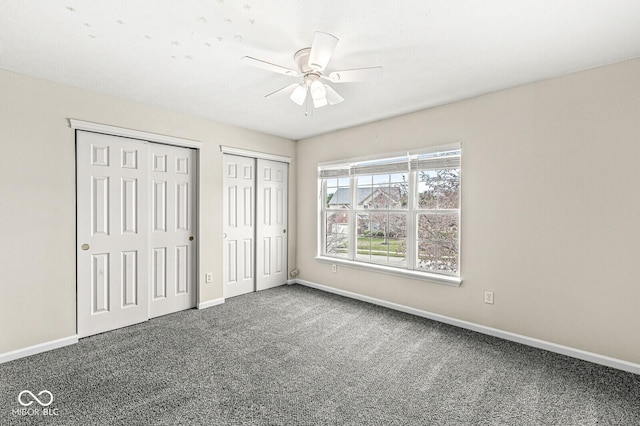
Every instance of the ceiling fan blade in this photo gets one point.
(333, 97)
(248, 60)
(321, 50)
(284, 89)
(358, 74)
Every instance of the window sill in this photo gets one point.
(418, 275)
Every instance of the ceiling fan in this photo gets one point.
(312, 62)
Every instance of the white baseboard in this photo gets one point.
(529, 341)
(55, 344)
(210, 303)
(36, 349)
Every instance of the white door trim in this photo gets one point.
(130, 133)
(254, 154)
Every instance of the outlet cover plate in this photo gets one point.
(488, 297)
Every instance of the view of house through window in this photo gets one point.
(381, 218)
(402, 212)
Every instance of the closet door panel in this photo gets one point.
(112, 232)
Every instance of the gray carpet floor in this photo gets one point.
(297, 356)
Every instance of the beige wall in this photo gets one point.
(550, 209)
(549, 222)
(37, 196)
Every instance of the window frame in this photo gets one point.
(349, 169)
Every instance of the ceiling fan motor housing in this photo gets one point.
(302, 60)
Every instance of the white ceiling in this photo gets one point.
(184, 55)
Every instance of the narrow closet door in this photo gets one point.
(112, 231)
(271, 224)
(172, 229)
(238, 213)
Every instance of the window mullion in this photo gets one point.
(411, 221)
(353, 231)
(322, 241)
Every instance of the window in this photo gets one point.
(396, 214)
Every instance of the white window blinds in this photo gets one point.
(436, 158)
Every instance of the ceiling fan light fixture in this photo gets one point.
(319, 102)
(318, 93)
(317, 90)
(299, 94)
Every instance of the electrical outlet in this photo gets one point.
(334, 268)
(488, 297)
(208, 278)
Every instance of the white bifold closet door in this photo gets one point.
(254, 224)
(271, 224)
(112, 253)
(135, 216)
(172, 230)
(238, 215)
